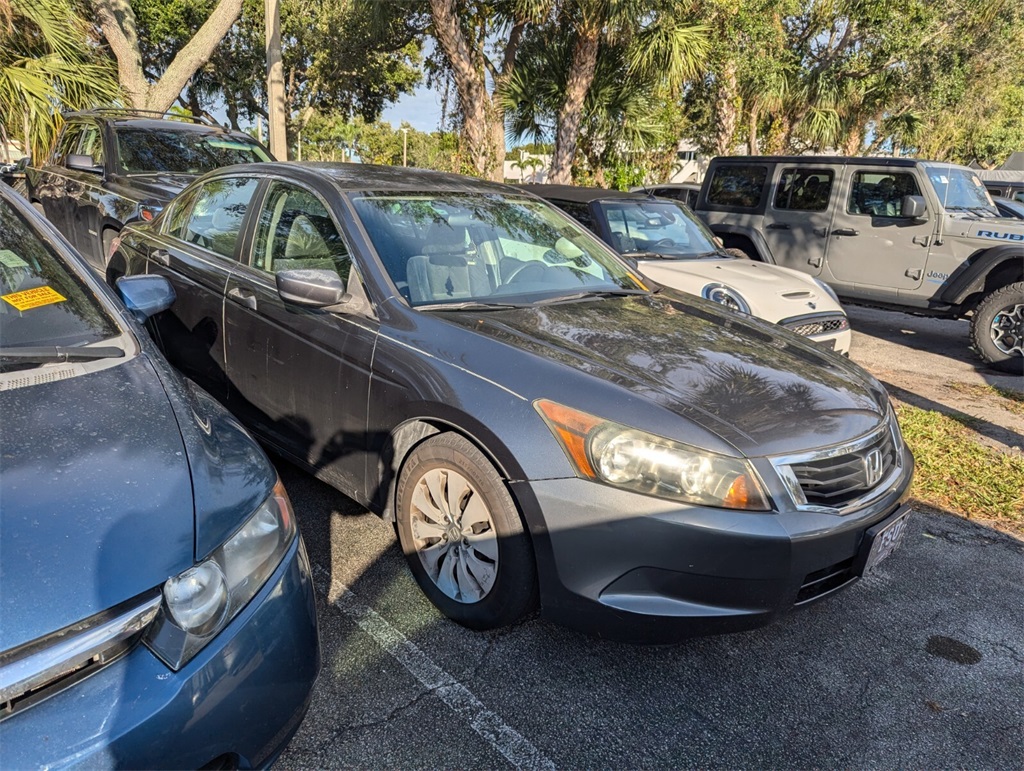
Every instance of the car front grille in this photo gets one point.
(812, 326)
(845, 476)
(41, 668)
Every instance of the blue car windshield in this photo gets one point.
(453, 248)
(662, 227)
(42, 301)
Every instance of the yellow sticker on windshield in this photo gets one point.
(34, 298)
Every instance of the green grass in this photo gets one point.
(957, 473)
(1012, 401)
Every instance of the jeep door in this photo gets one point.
(799, 215)
(197, 252)
(300, 376)
(869, 243)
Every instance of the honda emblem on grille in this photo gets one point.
(873, 467)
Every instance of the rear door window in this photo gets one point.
(580, 211)
(804, 189)
(216, 217)
(737, 186)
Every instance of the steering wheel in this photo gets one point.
(664, 242)
(508, 277)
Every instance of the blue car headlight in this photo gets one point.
(199, 602)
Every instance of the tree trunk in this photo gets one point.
(278, 113)
(117, 20)
(854, 142)
(752, 131)
(570, 114)
(726, 109)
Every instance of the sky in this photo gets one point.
(421, 109)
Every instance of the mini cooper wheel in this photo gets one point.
(462, 535)
(997, 328)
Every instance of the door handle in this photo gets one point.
(778, 226)
(244, 296)
(845, 232)
(162, 256)
(814, 262)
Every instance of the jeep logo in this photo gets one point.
(1003, 236)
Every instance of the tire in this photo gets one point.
(477, 566)
(997, 329)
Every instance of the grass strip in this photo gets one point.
(1011, 401)
(958, 473)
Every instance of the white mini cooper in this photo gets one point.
(673, 247)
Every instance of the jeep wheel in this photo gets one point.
(997, 328)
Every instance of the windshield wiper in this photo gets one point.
(468, 305)
(593, 294)
(44, 354)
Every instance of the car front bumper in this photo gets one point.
(638, 569)
(236, 704)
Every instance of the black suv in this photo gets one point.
(914, 235)
(110, 167)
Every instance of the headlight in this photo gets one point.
(724, 295)
(653, 465)
(201, 601)
(827, 289)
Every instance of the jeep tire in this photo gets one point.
(997, 328)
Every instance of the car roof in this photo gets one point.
(578, 194)
(842, 160)
(120, 119)
(355, 177)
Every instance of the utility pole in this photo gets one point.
(275, 82)
(405, 147)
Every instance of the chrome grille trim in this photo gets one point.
(44, 662)
(885, 436)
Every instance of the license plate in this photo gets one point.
(883, 539)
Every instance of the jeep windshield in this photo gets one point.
(147, 151)
(960, 189)
(46, 312)
(454, 251)
(660, 229)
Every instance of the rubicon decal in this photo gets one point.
(1001, 236)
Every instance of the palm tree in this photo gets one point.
(47, 65)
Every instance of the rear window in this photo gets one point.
(737, 186)
(144, 151)
(804, 189)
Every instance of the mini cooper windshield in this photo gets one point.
(662, 228)
(450, 250)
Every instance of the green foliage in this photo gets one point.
(48, 65)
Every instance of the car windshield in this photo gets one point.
(42, 301)
(662, 227)
(144, 151)
(451, 249)
(959, 189)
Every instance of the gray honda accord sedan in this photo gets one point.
(544, 426)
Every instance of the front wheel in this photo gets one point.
(462, 535)
(997, 328)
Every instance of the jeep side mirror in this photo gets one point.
(912, 207)
(83, 163)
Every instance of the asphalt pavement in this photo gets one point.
(920, 665)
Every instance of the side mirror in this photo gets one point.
(312, 287)
(83, 163)
(145, 296)
(912, 207)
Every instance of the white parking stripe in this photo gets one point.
(506, 740)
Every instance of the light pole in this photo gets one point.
(405, 147)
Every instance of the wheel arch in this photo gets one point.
(986, 271)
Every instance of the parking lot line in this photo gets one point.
(487, 724)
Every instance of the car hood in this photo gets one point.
(773, 292)
(760, 388)
(161, 185)
(97, 497)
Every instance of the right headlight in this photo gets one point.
(653, 465)
(199, 602)
(725, 295)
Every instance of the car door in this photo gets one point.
(870, 244)
(301, 376)
(50, 187)
(85, 188)
(799, 216)
(197, 251)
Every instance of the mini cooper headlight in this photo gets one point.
(199, 602)
(653, 465)
(827, 290)
(725, 295)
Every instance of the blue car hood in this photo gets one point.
(96, 500)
